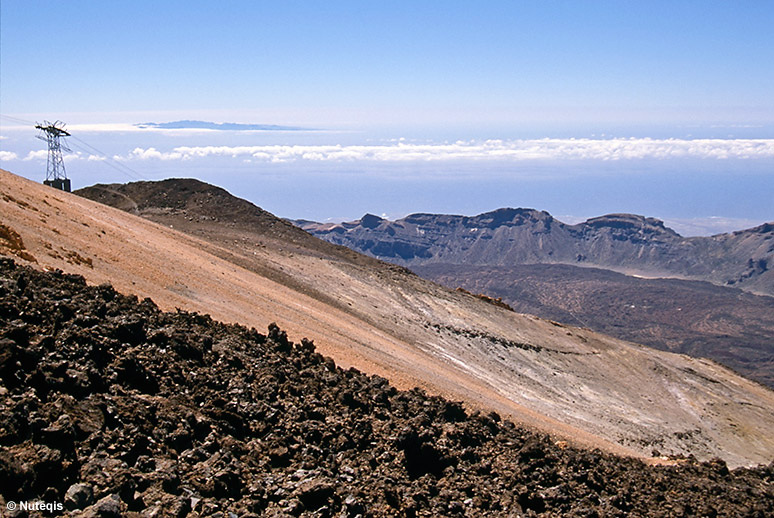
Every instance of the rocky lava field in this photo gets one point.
(114, 408)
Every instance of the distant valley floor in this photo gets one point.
(696, 318)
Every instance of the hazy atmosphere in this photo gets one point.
(340, 108)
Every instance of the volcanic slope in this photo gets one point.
(541, 266)
(117, 409)
(621, 242)
(381, 319)
(697, 318)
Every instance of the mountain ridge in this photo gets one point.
(625, 243)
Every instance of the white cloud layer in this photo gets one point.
(489, 150)
(41, 154)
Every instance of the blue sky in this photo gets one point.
(366, 74)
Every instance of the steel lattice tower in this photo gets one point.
(55, 169)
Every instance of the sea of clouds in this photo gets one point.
(545, 149)
(494, 150)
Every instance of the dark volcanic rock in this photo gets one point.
(78, 496)
(114, 408)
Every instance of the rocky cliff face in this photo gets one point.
(506, 237)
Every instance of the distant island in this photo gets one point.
(223, 126)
